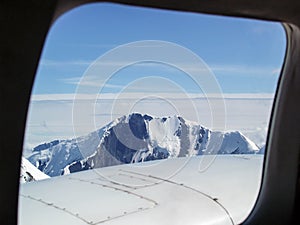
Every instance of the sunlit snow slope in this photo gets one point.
(30, 173)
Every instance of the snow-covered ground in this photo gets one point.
(30, 173)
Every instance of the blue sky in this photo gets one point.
(245, 55)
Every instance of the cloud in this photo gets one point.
(227, 69)
(232, 69)
(137, 95)
(49, 62)
(235, 69)
(110, 46)
(90, 82)
(276, 71)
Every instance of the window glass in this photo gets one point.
(178, 97)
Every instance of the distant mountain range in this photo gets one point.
(136, 138)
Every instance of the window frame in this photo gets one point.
(25, 26)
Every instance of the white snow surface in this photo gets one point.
(30, 173)
(162, 134)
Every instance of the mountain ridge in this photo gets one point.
(137, 138)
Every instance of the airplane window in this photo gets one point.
(141, 112)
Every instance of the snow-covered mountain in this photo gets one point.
(29, 172)
(137, 138)
(262, 150)
(51, 158)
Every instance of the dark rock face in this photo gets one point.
(77, 166)
(184, 139)
(121, 142)
(41, 165)
(45, 146)
(137, 126)
(202, 139)
(163, 119)
(158, 153)
(147, 117)
(118, 141)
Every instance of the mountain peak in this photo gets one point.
(136, 138)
